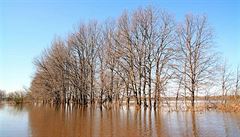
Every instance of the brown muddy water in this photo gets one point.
(50, 121)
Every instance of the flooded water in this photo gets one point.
(50, 121)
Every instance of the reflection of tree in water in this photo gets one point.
(231, 124)
(1, 105)
(194, 128)
(17, 109)
(90, 121)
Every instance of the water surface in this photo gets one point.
(51, 121)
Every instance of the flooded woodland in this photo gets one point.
(143, 73)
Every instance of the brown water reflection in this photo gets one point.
(51, 121)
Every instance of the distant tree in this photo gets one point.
(2, 95)
(17, 96)
(226, 81)
(237, 83)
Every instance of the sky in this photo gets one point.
(27, 27)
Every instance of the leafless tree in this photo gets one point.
(194, 41)
(226, 81)
(2, 95)
(236, 93)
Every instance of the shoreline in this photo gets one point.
(181, 107)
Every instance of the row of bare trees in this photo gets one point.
(140, 56)
(16, 96)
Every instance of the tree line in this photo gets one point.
(16, 97)
(143, 56)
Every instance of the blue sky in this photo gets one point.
(27, 27)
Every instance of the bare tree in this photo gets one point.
(194, 40)
(2, 95)
(236, 93)
(163, 55)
